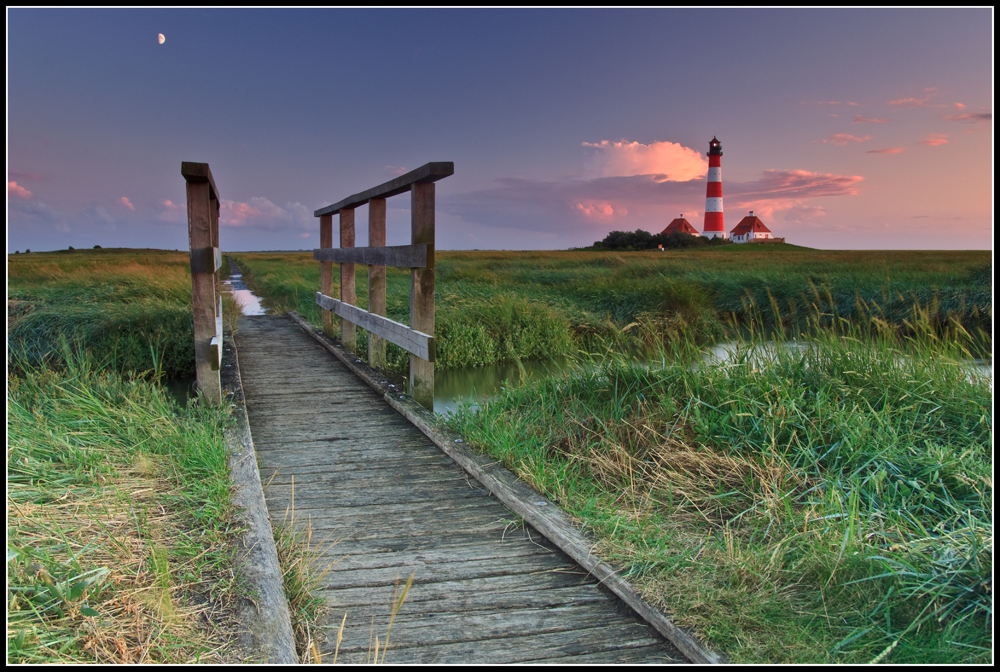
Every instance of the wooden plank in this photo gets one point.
(206, 259)
(417, 343)
(535, 508)
(397, 256)
(348, 330)
(326, 271)
(555, 647)
(203, 291)
(429, 172)
(376, 279)
(199, 173)
(422, 290)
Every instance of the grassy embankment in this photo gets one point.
(120, 524)
(827, 505)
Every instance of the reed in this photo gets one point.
(120, 526)
(826, 498)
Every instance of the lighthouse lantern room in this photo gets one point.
(714, 224)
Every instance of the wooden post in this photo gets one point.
(422, 289)
(203, 235)
(348, 330)
(326, 270)
(376, 280)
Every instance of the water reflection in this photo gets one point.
(249, 304)
(478, 383)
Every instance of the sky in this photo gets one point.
(840, 129)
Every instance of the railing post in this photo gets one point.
(376, 280)
(326, 270)
(422, 289)
(206, 301)
(348, 330)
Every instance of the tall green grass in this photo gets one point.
(574, 300)
(130, 309)
(120, 529)
(829, 502)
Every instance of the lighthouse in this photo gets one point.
(714, 226)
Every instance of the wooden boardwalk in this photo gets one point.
(483, 590)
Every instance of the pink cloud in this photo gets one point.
(127, 203)
(960, 106)
(861, 119)
(17, 191)
(601, 210)
(935, 139)
(842, 139)
(820, 102)
(395, 170)
(890, 150)
(171, 211)
(917, 102)
(668, 160)
(638, 201)
(259, 212)
(972, 117)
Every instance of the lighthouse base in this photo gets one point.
(715, 234)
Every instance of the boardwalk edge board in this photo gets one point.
(266, 623)
(536, 509)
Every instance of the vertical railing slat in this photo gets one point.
(422, 289)
(326, 270)
(348, 330)
(376, 280)
(203, 237)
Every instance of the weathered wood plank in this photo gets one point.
(422, 291)
(473, 568)
(533, 507)
(199, 173)
(326, 271)
(200, 209)
(417, 343)
(553, 647)
(397, 256)
(376, 279)
(429, 172)
(348, 331)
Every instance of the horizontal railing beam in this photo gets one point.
(429, 172)
(197, 173)
(411, 340)
(206, 259)
(397, 256)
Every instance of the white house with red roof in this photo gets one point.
(750, 229)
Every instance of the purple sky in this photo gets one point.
(841, 129)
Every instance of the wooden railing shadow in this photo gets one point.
(417, 338)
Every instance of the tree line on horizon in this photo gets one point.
(644, 240)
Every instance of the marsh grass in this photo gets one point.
(828, 503)
(130, 309)
(502, 306)
(119, 522)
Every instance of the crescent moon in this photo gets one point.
(161, 38)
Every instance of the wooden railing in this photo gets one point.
(418, 337)
(206, 299)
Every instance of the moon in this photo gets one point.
(161, 38)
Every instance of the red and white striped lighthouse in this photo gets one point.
(714, 226)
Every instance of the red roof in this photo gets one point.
(749, 224)
(680, 225)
